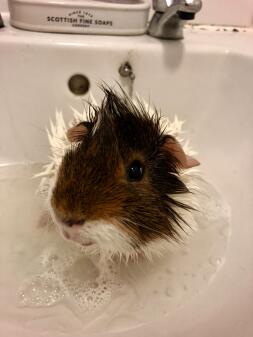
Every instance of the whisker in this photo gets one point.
(47, 146)
(143, 226)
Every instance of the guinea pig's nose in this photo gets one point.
(73, 222)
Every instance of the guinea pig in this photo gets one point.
(116, 190)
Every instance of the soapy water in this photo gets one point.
(52, 274)
(63, 272)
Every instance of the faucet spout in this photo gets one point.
(170, 16)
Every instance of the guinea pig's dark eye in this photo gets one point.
(135, 171)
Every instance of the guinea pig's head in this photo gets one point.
(114, 191)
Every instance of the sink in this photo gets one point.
(206, 80)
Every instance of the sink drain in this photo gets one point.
(79, 84)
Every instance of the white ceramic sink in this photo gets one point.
(207, 80)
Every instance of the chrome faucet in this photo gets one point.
(170, 16)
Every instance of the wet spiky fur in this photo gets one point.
(92, 182)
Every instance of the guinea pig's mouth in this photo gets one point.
(73, 230)
(77, 235)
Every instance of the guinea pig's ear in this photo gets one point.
(78, 132)
(174, 147)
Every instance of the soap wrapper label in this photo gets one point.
(79, 18)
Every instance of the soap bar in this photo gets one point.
(106, 17)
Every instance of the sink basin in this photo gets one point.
(206, 80)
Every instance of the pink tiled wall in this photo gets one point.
(3, 5)
(227, 12)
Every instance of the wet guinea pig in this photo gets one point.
(117, 188)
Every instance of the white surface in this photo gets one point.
(82, 16)
(207, 80)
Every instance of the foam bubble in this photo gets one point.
(65, 273)
(41, 290)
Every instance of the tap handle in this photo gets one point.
(160, 5)
(191, 6)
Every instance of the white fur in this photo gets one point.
(107, 238)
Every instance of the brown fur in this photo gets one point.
(93, 184)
